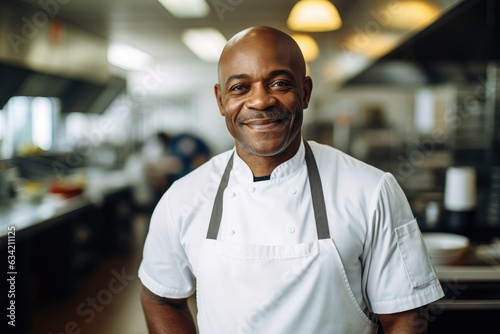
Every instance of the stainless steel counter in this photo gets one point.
(25, 215)
(481, 263)
(486, 273)
(473, 284)
(57, 239)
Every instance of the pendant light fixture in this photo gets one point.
(308, 46)
(314, 16)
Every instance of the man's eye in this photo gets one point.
(280, 84)
(237, 87)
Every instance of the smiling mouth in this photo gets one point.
(264, 123)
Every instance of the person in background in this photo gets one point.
(150, 168)
(191, 150)
(280, 234)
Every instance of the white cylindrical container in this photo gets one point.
(460, 189)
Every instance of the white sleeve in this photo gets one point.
(165, 269)
(398, 274)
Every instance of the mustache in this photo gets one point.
(276, 114)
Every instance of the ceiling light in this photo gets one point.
(186, 8)
(308, 46)
(378, 45)
(206, 43)
(127, 57)
(314, 15)
(414, 14)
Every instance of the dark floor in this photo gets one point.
(106, 300)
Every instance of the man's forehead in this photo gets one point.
(253, 61)
(260, 47)
(256, 50)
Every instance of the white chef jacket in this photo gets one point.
(370, 221)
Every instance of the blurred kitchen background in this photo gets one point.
(103, 103)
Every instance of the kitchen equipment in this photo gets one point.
(460, 189)
(32, 191)
(4, 193)
(493, 202)
(460, 199)
(446, 248)
(8, 181)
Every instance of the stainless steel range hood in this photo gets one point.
(455, 49)
(44, 56)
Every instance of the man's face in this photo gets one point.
(262, 95)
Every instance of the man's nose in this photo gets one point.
(260, 98)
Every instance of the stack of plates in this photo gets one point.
(446, 248)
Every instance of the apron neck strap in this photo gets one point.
(318, 199)
(215, 218)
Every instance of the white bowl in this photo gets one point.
(446, 248)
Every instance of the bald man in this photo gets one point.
(281, 234)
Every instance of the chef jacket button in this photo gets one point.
(231, 232)
(290, 229)
(251, 189)
(292, 191)
(231, 194)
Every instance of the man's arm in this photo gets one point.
(409, 322)
(165, 315)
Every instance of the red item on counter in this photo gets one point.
(65, 189)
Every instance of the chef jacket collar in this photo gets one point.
(244, 174)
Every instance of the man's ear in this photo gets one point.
(218, 97)
(307, 89)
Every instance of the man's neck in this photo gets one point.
(264, 165)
